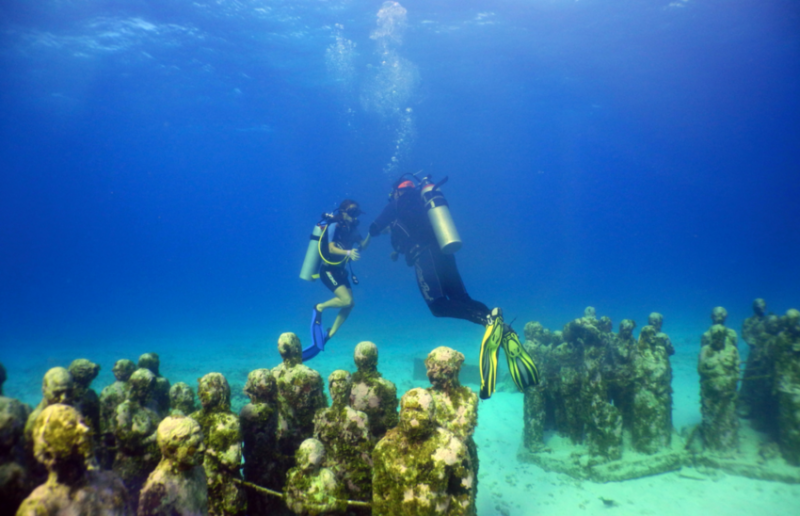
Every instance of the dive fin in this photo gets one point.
(490, 346)
(520, 364)
(318, 338)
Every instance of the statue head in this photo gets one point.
(123, 369)
(310, 456)
(290, 348)
(339, 383)
(180, 440)
(533, 331)
(417, 412)
(214, 392)
(656, 320)
(181, 398)
(140, 384)
(150, 361)
(83, 372)
(366, 356)
(792, 321)
(589, 312)
(626, 328)
(261, 386)
(443, 365)
(62, 441)
(718, 315)
(759, 307)
(58, 386)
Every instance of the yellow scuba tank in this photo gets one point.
(311, 263)
(439, 216)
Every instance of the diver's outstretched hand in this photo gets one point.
(354, 255)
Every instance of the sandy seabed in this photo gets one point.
(505, 485)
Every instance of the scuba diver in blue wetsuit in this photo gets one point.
(422, 229)
(337, 244)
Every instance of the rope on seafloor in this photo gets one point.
(264, 490)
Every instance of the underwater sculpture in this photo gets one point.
(753, 326)
(619, 371)
(85, 399)
(178, 486)
(456, 405)
(718, 367)
(159, 397)
(135, 434)
(181, 400)
(596, 383)
(57, 387)
(344, 432)
(787, 386)
(63, 443)
(591, 415)
(755, 395)
(310, 488)
(538, 398)
(110, 398)
(420, 468)
(371, 393)
(15, 480)
(718, 316)
(651, 427)
(259, 423)
(300, 394)
(223, 446)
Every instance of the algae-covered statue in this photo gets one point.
(456, 405)
(718, 367)
(181, 400)
(348, 443)
(718, 317)
(300, 394)
(371, 393)
(159, 397)
(619, 373)
(259, 422)
(177, 487)
(135, 434)
(310, 488)
(753, 326)
(755, 394)
(87, 402)
(57, 387)
(651, 426)
(421, 469)
(15, 479)
(787, 385)
(223, 446)
(63, 443)
(112, 397)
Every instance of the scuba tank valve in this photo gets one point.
(439, 215)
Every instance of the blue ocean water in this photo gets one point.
(164, 162)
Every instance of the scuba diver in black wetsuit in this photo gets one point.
(422, 230)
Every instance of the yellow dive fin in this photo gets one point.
(520, 364)
(490, 346)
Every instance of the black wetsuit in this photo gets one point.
(437, 275)
(344, 236)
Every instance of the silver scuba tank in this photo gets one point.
(311, 262)
(439, 216)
